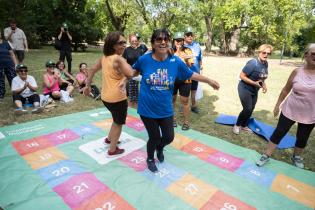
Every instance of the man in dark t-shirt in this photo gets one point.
(131, 54)
(65, 45)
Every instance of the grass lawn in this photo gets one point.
(224, 69)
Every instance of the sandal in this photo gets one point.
(185, 127)
(174, 124)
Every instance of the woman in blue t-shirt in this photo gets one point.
(7, 65)
(159, 69)
(253, 77)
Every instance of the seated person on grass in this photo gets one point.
(67, 80)
(81, 78)
(52, 80)
(24, 89)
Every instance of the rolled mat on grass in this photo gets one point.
(260, 128)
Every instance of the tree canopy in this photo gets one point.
(228, 24)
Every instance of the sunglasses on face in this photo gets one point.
(189, 34)
(179, 40)
(266, 53)
(23, 70)
(122, 42)
(160, 39)
(52, 66)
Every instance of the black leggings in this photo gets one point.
(248, 101)
(156, 141)
(284, 125)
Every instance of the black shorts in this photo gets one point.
(51, 96)
(118, 111)
(31, 99)
(182, 87)
(194, 85)
(19, 55)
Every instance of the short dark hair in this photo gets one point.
(59, 62)
(110, 40)
(158, 32)
(82, 64)
(12, 21)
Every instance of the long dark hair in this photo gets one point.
(110, 40)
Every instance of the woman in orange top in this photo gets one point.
(115, 71)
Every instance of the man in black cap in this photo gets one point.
(24, 90)
(65, 45)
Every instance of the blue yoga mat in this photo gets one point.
(260, 128)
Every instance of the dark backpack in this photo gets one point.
(95, 91)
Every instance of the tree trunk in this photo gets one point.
(233, 43)
(208, 20)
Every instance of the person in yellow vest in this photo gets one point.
(115, 72)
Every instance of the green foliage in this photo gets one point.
(277, 22)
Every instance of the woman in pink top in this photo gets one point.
(52, 80)
(298, 107)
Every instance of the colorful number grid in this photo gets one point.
(279, 183)
(78, 188)
(188, 188)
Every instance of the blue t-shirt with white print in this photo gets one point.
(157, 84)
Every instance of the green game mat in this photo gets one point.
(61, 163)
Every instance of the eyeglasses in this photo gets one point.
(122, 42)
(265, 53)
(179, 40)
(160, 39)
(189, 34)
(51, 66)
(23, 70)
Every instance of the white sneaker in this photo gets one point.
(263, 160)
(37, 110)
(247, 129)
(297, 161)
(236, 129)
(20, 111)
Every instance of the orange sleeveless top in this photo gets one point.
(112, 89)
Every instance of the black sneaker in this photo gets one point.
(151, 165)
(195, 110)
(160, 155)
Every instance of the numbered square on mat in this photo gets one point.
(106, 200)
(260, 175)
(43, 158)
(97, 149)
(136, 160)
(200, 150)
(192, 190)
(294, 190)
(166, 175)
(222, 201)
(180, 141)
(225, 161)
(79, 188)
(104, 124)
(136, 124)
(31, 145)
(83, 130)
(57, 173)
(62, 136)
